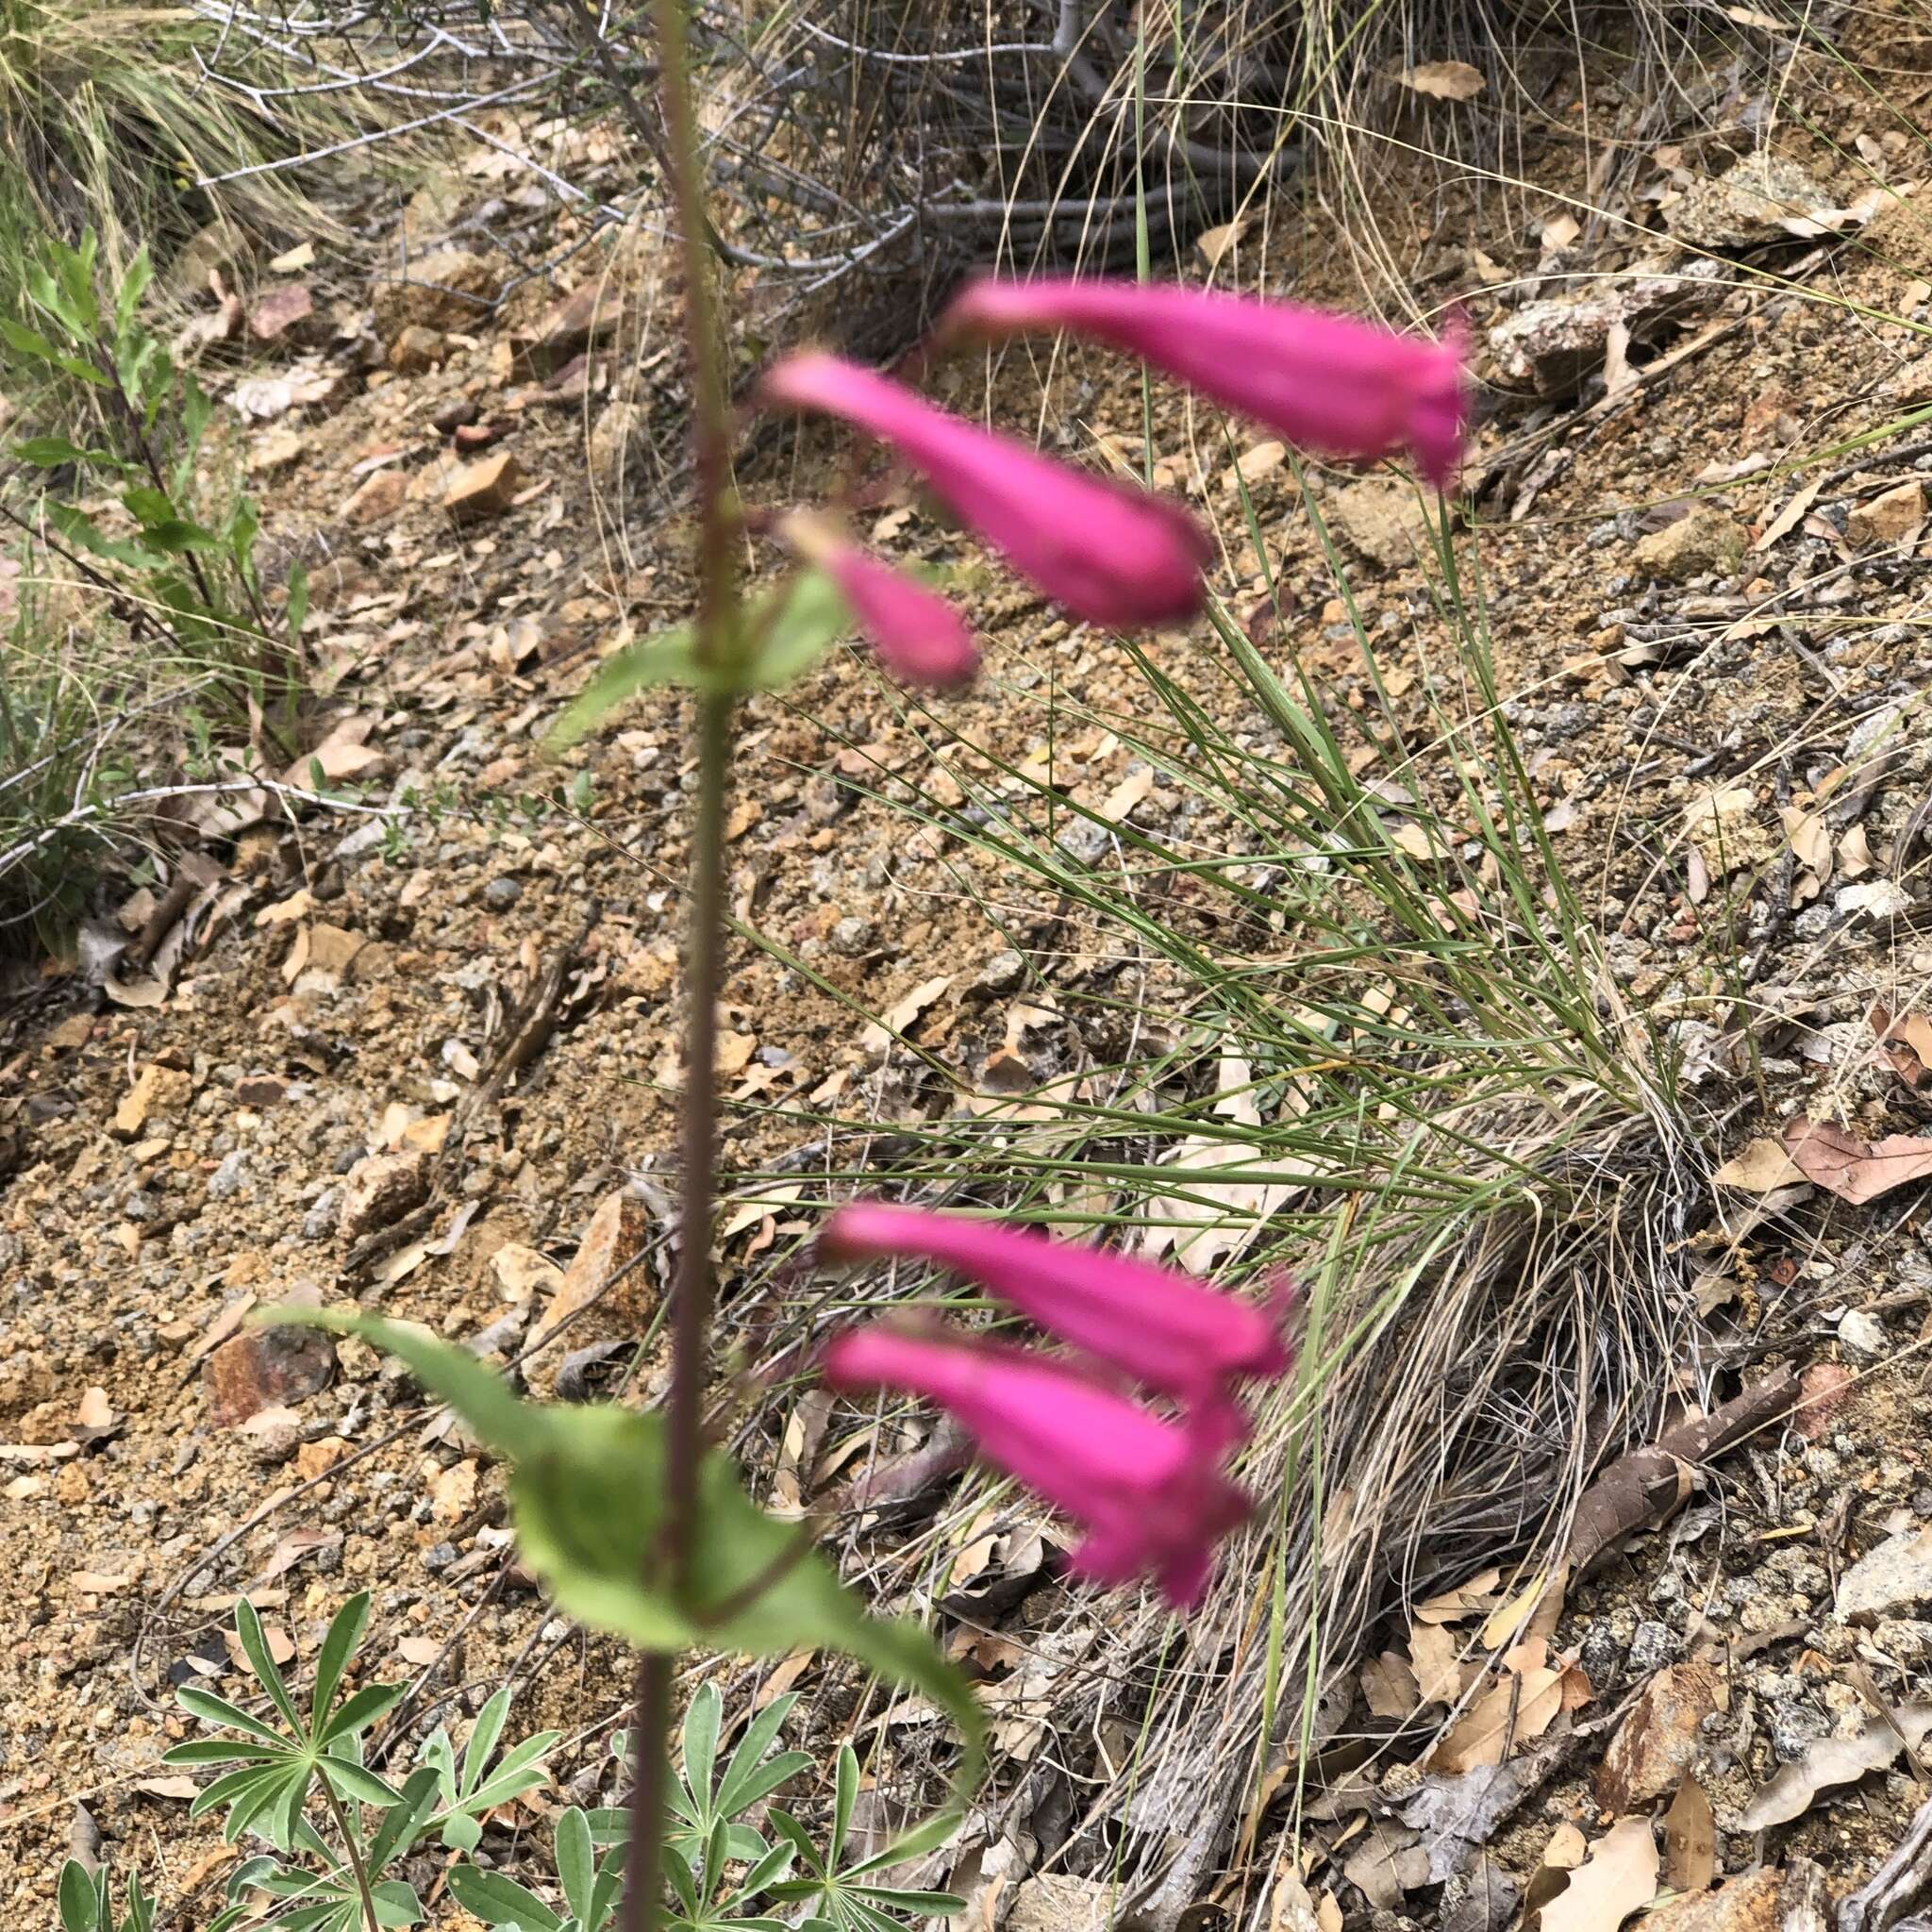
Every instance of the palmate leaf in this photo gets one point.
(588, 1486)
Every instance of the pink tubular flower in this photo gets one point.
(1325, 382)
(918, 635)
(1168, 1332)
(1150, 1501)
(1115, 555)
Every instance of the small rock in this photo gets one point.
(1553, 345)
(1387, 522)
(502, 891)
(1651, 1647)
(415, 349)
(1747, 1904)
(588, 314)
(226, 1179)
(614, 1238)
(1893, 1579)
(156, 1089)
(382, 1187)
(274, 1444)
(1707, 542)
(1863, 1336)
(484, 489)
(1892, 517)
(264, 1367)
(1058, 1902)
(1824, 1390)
(450, 287)
(1656, 1743)
(320, 1221)
(1747, 205)
(317, 1459)
(457, 413)
(1003, 973)
(851, 935)
(379, 497)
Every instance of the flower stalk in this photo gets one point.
(717, 644)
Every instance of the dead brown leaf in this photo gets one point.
(1689, 1840)
(1475, 1597)
(169, 1786)
(1835, 1159)
(1389, 1686)
(1444, 80)
(897, 1019)
(295, 1546)
(1907, 1044)
(1830, 1761)
(1619, 1876)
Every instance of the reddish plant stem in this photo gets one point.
(718, 646)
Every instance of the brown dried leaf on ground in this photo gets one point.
(1521, 1705)
(1444, 80)
(1689, 1840)
(1619, 1876)
(1906, 1044)
(1760, 1167)
(1850, 1168)
(1832, 1761)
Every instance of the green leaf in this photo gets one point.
(701, 1719)
(212, 1709)
(500, 1901)
(77, 528)
(811, 615)
(268, 1673)
(79, 1901)
(177, 535)
(352, 1781)
(483, 1736)
(50, 452)
(361, 1710)
(296, 614)
(128, 298)
(587, 1487)
(844, 1796)
(338, 1646)
(788, 629)
(396, 1904)
(401, 1822)
(24, 341)
(577, 1863)
(216, 1751)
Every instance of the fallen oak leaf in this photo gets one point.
(1444, 80)
(1836, 1159)
(1618, 1877)
(1907, 1044)
(1644, 1483)
(1831, 1762)
(1689, 1840)
(1760, 1167)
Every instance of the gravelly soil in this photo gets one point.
(1687, 731)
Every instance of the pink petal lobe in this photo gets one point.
(1164, 1328)
(1329, 383)
(1115, 555)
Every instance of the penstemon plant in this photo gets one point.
(636, 1524)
